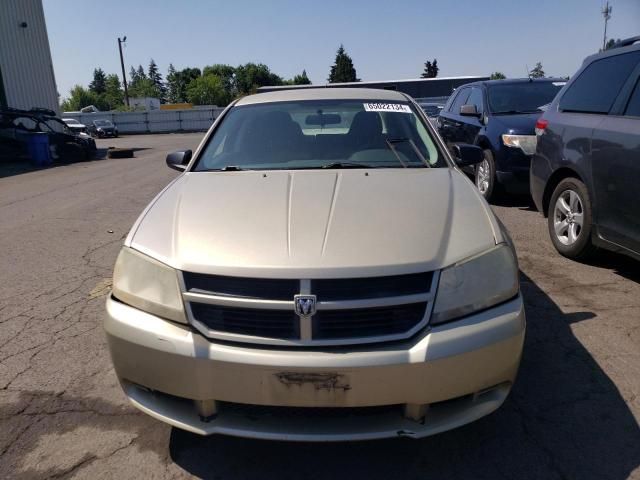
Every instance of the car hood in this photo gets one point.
(316, 224)
(520, 124)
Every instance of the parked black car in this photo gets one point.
(500, 117)
(16, 125)
(585, 175)
(431, 109)
(103, 128)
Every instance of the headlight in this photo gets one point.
(475, 284)
(147, 284)
(526, 143)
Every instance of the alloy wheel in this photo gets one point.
(568, 217)
(483, 176)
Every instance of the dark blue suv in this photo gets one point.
(500, 117)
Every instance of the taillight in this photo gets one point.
(541, 125)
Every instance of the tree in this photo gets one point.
(133, 75)
(226, 74)
(80, 97)
(173, 85)
(537, 71)
(98, 84)
(498, 76)
(143, 88)
(431, 69)
(610, 43)
(250, 76)
(140, 73)
(342, 70)
(301, 79)
(141, 85)
(207, 90)
(113, 95)
(156, 78)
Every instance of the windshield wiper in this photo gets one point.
(345, 165)
(392, 142)
(232, 168)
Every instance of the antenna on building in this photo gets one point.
(606, 13)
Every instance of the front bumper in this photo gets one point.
(462, 370)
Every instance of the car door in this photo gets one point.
(471, 126)
(616, 169)
(451, 122)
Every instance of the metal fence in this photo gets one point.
(157, 121)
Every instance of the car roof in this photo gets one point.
(514, 81)
(323, 93)
(624, 46)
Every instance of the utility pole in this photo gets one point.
(124, 76)
(606, 13)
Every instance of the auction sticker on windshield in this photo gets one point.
(386, 107)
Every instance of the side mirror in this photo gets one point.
(466, 155)
(179, 160)
(469, 111)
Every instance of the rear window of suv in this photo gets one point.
(597, 87)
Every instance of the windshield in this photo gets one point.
(320, 134)
(102, 123)
(523, 97)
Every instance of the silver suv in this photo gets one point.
(322, 270)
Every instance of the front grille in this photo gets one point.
(372, 287)
(367, 322)
(348, 311)
(260, 411)
(247, 321)
(275, 289)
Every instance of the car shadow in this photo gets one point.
(564, 419)
(523, 202)
(10, 167)
(620, 264)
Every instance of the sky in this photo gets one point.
(387, 40)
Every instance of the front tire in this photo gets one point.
(570, 219)
(485, 176)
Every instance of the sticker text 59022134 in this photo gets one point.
(386, 107)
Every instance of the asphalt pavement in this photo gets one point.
(573, 413)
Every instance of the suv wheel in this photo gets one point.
(485, 178)
(569, 219)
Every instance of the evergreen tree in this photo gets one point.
(301, 79)
(430, 69)
(537, 71)
(133, 75)
(342, 70)
(156, 78)
(498, 76)
(173, 87)
(98, 85)
(140, 72)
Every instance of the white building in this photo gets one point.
(26, 70)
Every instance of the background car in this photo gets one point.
(65, 145)
(432, 110)
(500, 117)
(75, 126)
(586, 170)
(103, 128)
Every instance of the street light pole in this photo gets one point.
(124, 77)
(606, 13)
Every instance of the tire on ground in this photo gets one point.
(582, 247)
